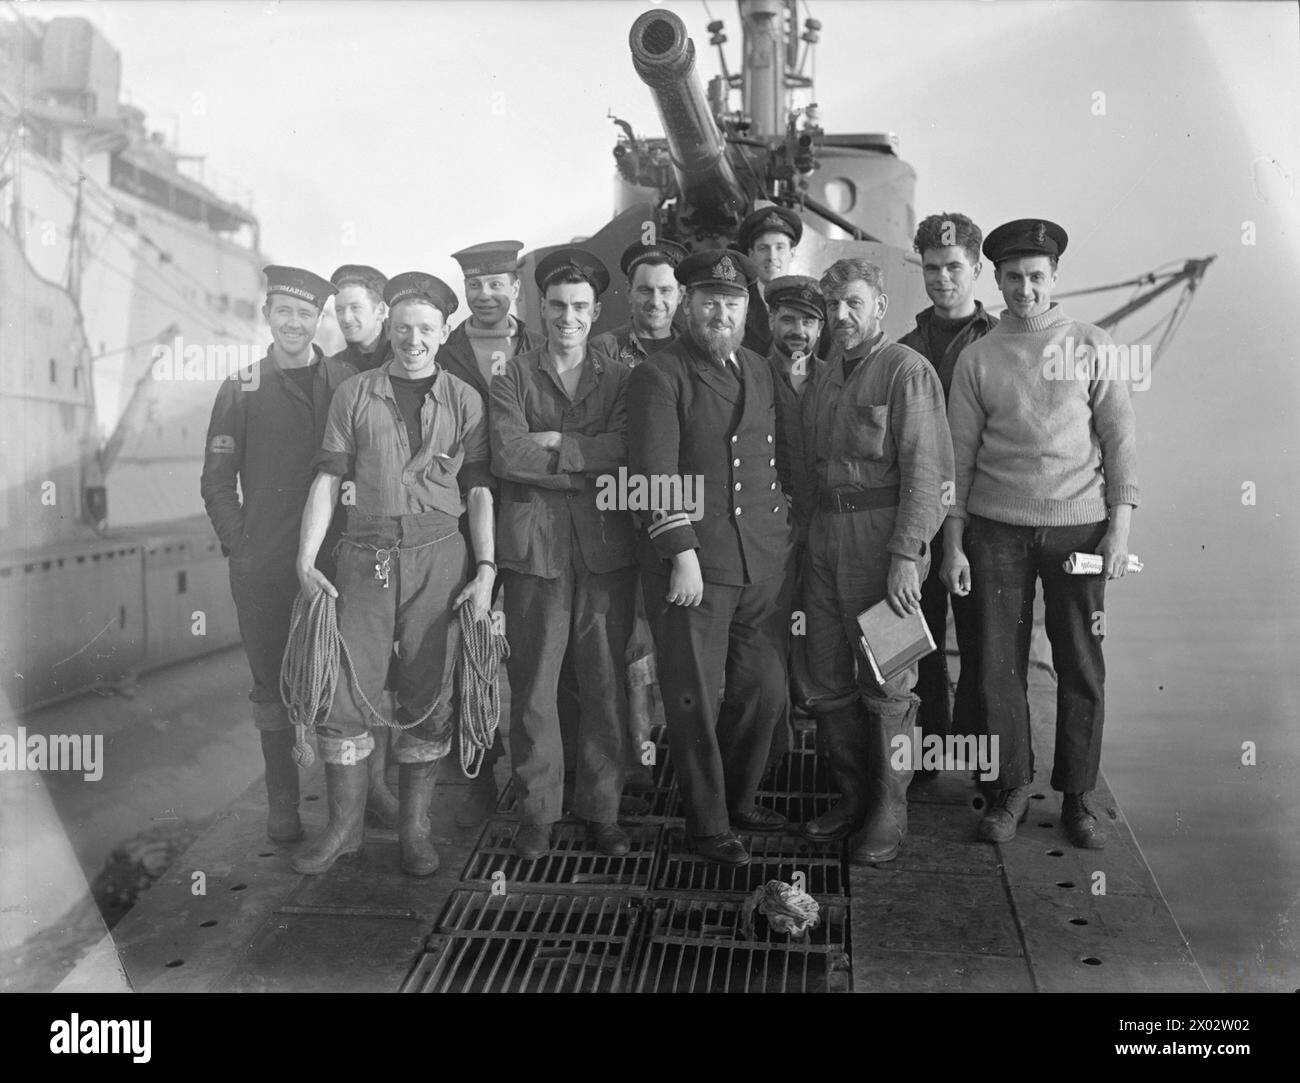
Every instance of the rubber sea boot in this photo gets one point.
(381, 802)
(415, 783)
(842, 746)
(345, 784)
(282, 821)
(885, 827)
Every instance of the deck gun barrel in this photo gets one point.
(664, 57)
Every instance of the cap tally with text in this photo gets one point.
(768, 220)
(1025, 237)
(719, 269)
(298, 283)
(577, 259)
(421, 287)
(798, 292)
(358, 274)
(489, 258)
(669, 252)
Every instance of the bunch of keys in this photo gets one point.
(382, 559)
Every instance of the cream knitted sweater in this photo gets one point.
(1042, 436)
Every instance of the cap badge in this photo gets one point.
(725, 270)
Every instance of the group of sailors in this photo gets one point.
(800, 463)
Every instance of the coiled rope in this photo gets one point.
(309, 677)
(482, 650)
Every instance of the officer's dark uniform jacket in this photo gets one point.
(687, 417)
(264, 441)
(885, 427)
(548, 499)
(624, 344)
(919, 340)
(456, 355)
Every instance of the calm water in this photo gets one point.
(1202, 656)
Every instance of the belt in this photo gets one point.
(840, 501)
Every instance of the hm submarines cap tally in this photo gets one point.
(575, 259)
(358, 274)
(421, 287)
(295, 282)
(669, 252)
(1025, 237)
(489, 258)
(718, 269)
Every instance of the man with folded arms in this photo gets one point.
(558, 423)
(1045, 466)
(877, 454)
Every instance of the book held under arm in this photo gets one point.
(892, 643)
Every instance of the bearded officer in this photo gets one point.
(654, 295)
(558, 424)
(261, 440)
(360, 311)
(415, 439)
(877, 455)
(713, 565)
(769, 237)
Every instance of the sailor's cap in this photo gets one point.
(576, 259)
(768, 220)
(296, 282)
(799, 292)
(489, 258)
(416, 285)
(669, 252)
(1025, 237)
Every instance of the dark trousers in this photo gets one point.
(932, 681)
(264, 603)
(1005, 561)
(719, 751)
(589, 615)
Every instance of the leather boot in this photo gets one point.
(885, 827)
(345, 785)
(381, 803)
(415, 783)
(282, 822)
(480, 799)
(842, 746)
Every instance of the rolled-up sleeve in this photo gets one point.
(925, 459)
(338, 449)
(476, 467)
(654, 449)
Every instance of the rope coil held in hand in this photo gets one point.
(309, 678)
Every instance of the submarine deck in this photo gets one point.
(949, 914)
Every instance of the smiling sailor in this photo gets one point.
(263, 435)
(415, 439)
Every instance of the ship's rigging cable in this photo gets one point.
(309, 677)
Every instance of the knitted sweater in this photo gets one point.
(1041, 437)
